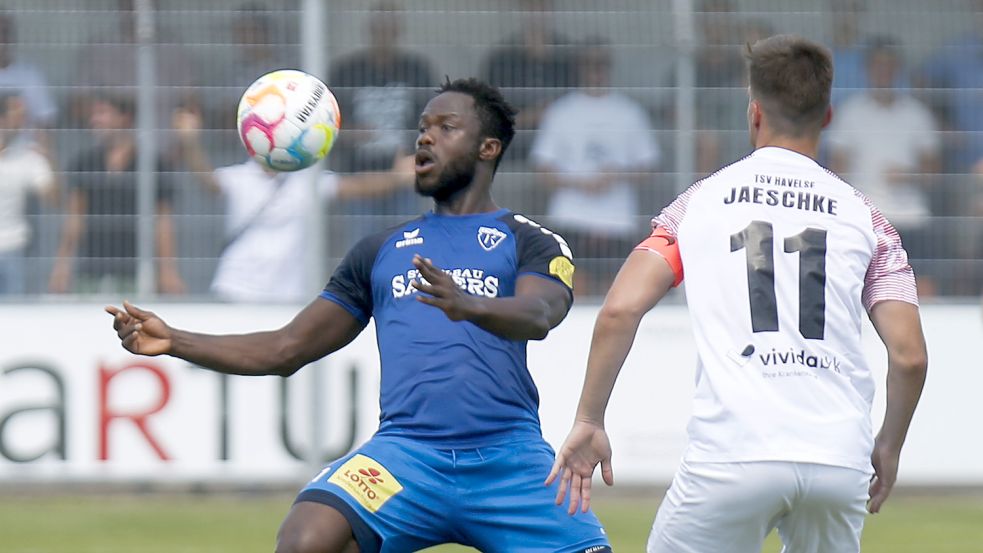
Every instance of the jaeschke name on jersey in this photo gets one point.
(795, 199)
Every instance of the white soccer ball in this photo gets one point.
(288, 120)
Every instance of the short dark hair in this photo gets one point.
(496, 115)
(791, 78)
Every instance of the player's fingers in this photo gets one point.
(119, 318)
(130, 342)
(561, 490)
(575, 483)
(135, 311)
(879, 491)
(421, 263)
(607, 472)
(585, 494)
(421, 286)
(429, 300)
(554, 471)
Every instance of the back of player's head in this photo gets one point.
(791, 78)
(496, 115)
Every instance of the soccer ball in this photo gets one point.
(288, 120)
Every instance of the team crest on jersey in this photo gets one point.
(410, 238)
(490, 237)
(366, 480)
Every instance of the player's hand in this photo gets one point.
(885, 461)
(441, 291)
(140, 331)
(585, 447)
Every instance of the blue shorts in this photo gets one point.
(403, 495)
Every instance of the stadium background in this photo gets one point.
(657, 48)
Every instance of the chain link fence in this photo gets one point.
(623, 104)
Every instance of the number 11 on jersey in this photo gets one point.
(758, 241)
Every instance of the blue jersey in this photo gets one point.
(451, 383)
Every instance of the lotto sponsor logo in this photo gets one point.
(367, 481)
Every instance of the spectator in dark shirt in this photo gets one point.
(98, 249)
(381, 89)
(534, 67)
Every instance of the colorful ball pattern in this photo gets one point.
(288, 120)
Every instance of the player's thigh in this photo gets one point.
(506, 507)
(714, 507)
(829, 513)
(315, 528)
(393, 492)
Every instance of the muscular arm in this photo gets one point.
(643, 280)
(319, 329)
(538, 306)
(898, 325)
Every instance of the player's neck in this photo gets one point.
(471, 200)
(807, 146)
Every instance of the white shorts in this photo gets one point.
(732, 507)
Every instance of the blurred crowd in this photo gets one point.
(591, 160)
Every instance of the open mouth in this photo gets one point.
(424, 162)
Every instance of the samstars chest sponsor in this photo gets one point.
(473, 281)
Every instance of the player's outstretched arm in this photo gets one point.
(538, 305)
(642, 281)
(900, 329)
(319, 329)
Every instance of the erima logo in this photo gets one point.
(410, 238)
(490, 237)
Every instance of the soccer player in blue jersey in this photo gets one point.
(456, 294)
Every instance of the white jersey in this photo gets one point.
(781, 258)
(265, 260)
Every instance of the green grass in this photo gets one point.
(244, 523)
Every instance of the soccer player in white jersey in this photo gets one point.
(782, 259)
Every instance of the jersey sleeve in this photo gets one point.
(672, 215)
(889, 276)
(543, 252)
(351, 284)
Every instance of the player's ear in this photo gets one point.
(828, 117)
(489, 149)
(754, 114)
